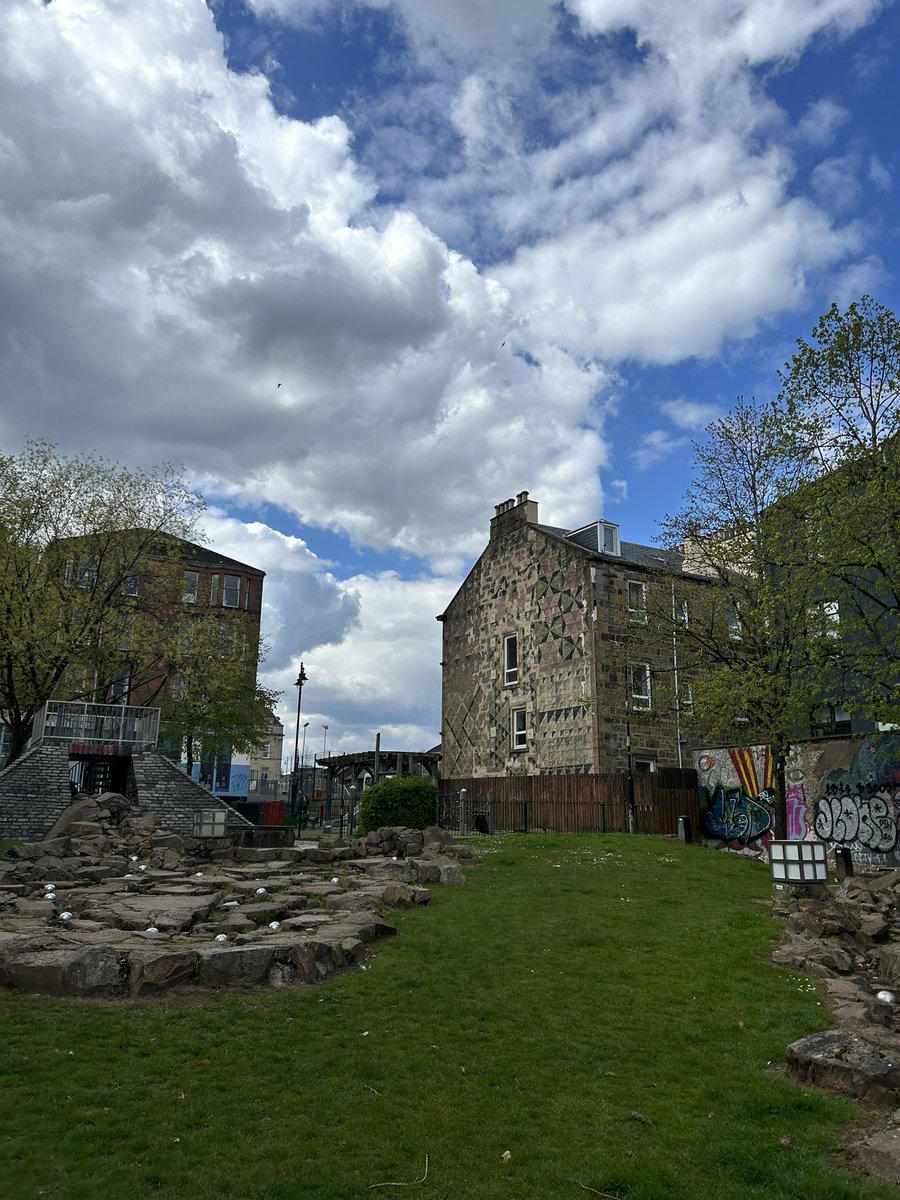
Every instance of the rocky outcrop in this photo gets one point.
(849, 937)
(108, 903)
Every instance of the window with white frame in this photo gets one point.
(637, 600)
(519, 729)
(510, 659)
(831, 618)
(131, 585)
(214, 589)
(231, 591)
(190, 587)
(644, 766)
(733, 624)
(609, 538)
(640, 686)
(687, 697)
(209, 822)
(681, 612)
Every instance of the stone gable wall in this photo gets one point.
(34, 790)
(538, 588)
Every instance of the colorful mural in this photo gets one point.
(845, 791)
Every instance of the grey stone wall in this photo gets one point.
(34, 790)
(173, 797)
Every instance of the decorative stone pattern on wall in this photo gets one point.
(534, 586)
(568, 609)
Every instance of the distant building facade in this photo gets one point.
(549, 663)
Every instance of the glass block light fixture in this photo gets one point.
(798, 862)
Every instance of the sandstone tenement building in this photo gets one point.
(550, 663)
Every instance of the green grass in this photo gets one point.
(574, 982)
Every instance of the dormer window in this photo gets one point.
(601, 536)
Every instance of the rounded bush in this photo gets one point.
(409, 801)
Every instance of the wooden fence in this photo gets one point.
(569, 803)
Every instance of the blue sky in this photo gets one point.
(367, 269)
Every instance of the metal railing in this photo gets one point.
(102, 728)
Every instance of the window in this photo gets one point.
(519, 729)
(687, 697)
(510, 659)
(131, 585)
(733, 622)
(231, 591)
(681, 612)
(190, 587)
(644, 766)
(831, 618)
(637, 600)
(640, 686)
(118, 689)
(609, 538)
(209, 822)
(265, 751)
(214, 589)
(87, 573)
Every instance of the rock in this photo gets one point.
(153, 970)
(426, 872)
(233, 966)
(451, 875)
(820, 958)
(129, 910)
(846, 1063)
(879, 1155)
(75, 971)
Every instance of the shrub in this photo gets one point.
(410, 801)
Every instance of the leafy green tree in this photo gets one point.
(752, 644)
(75, 533)
(841, 399)
(214, 697)
(408, 800)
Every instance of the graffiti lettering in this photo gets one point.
(734, 817)
(868, 819)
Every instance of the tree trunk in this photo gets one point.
(189, 741)
(779, 806)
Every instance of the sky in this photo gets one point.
(367, 269)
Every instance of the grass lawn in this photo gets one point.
(601, 1008)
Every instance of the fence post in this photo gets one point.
(525, 807)
(462, 811)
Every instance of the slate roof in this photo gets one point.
(651, 558)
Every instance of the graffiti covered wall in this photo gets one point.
(845, 791)
(736, 790)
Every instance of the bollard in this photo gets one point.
(685, 833)
(843, 862)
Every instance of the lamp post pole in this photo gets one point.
(301, 679)
(303, 759)
(324, 755)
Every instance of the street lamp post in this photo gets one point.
(324, 754)
(301, 679)
(303, 760)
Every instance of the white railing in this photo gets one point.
(120, 727)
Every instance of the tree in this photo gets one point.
(75, 532)
(841, 398)
(215, 699)
(753, 644)
(402, 800)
